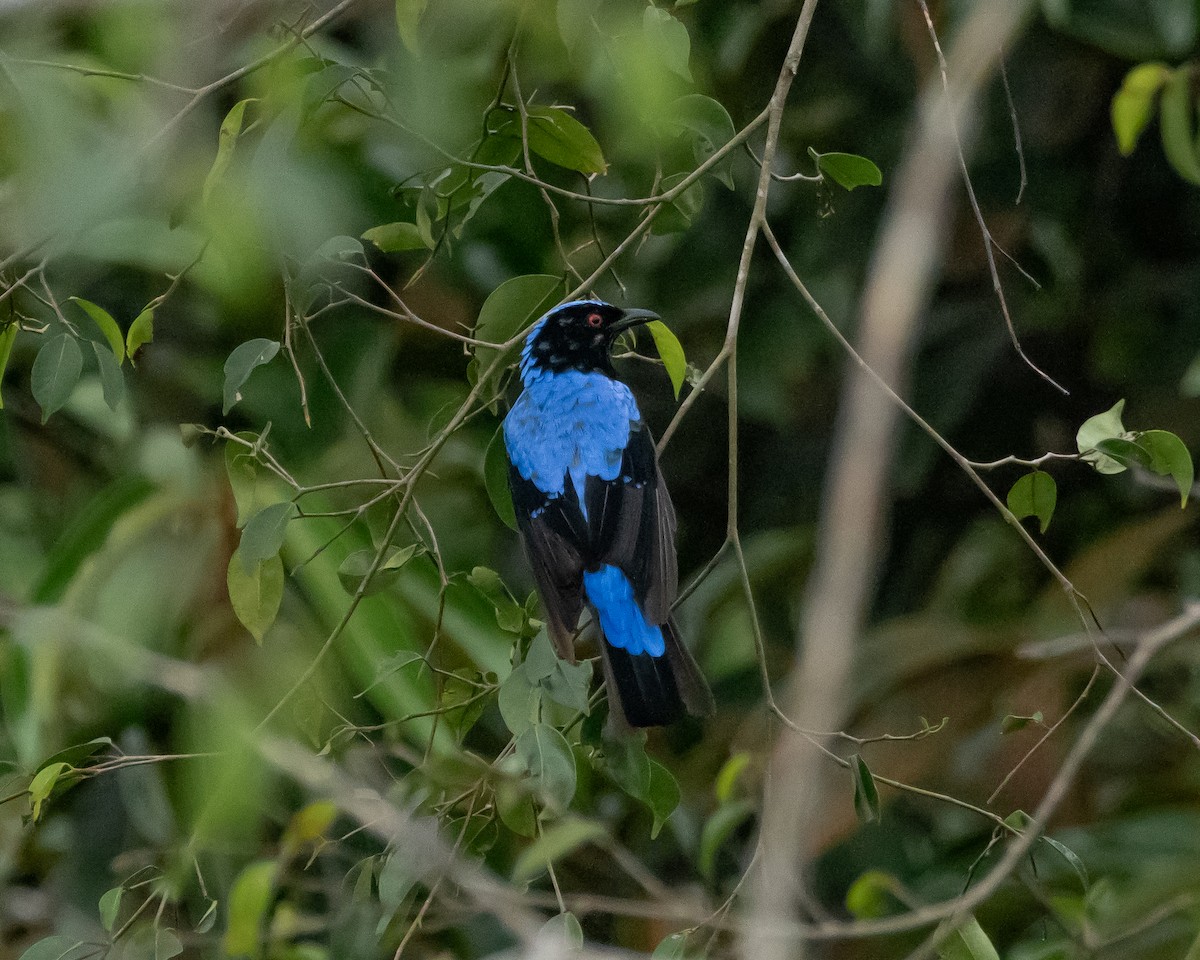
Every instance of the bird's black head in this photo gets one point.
(577, 336)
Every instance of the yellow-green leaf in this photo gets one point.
(8, 337)
(556, 842)
(1177, 124)
(309, 824)
(1133, 104)
(670, 350)
(108, 326)
(1034, 495)
(849, 170)
(43, 784)
(231, 129)
(395, 237)
(408, 19)
(141, 332)
(249, 899)
(255, 595)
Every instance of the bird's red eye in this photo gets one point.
(594, 320)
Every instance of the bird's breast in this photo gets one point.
(570, 424)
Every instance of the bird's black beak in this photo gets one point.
(632, 318)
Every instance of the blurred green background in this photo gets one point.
(115, 536)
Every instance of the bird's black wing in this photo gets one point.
(631, 525)
(555, 537)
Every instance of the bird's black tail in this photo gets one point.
(655, 691)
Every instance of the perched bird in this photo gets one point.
(595, 515)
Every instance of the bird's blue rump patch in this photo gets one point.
(621, 619)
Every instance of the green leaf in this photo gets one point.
(678, 215)
(166, 944)
(670, 351)
(340, 249)
(396, 237)
(141, 332)
(717, 830)
(551, 765)
(626, 762)
(662, 795)
(110, 905)
(869, 897)
(1071, 857)
(76, 754)
(8, 336)
(673, 947)
(1169, 457)
(231, 129)
(52, 948)
(866, 795)
(43, 784)
(556, 842)
(728, 776)
(309, 824)
(396, 878)
(111, 379)
(1015, 721)
(408, 19)
(711, 128)
(568, 684)
(55, 373)
(241, 363)
(495, 480)
(354, 568)
(668, 39)
(1102, 426)
(512, 307)
(555, 135)
(1133, 104)
(255, 593)
(518, 699)
(516, 808)
(968, 942)
(559, 934)
(107, 325)
(249, 899)
(1177, 124)
(1124, 452)
(263, 535)
(1034, 495)
(252, 489)
(848, 170)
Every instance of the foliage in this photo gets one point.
(277, 687)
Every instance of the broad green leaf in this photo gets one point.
(728, 776)
(1015, 721)
(669, 40)
(111, 379)
(354, 568)
(1102, 426)
(309, 824)
(711, 127)
(510, 615)
(512, 307)
(1133, 104)
(252, 489)
(626, 762)
(255, 593)
(568, 684)
(166, 944)
(1071, 857)
(141, 332)
(551, 765)
(662, 795)
(555, 135)
(559, 934)
(53, 948)
(110, 906)
(495, 480)
(395, 237)
(556, 842)
(8, 336)
(866, 795)
(241, 363)
(1124, 451)
(408, 19)
(670, 350)
(1169, 457)
(396, 878)
(848, 170)
(231, 128)
(722, 825)
(517, 700)
(107, 326)
(515, 807)
(55, 373)
(76, 754)
(1177, 124)
(1034, 495)
(249, 898)
(673, 947)
(677, 216)
(263, 535)
(869, 897)
(340, 249)
(43, 784)
(968, 942)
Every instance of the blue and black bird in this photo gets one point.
(595, 515)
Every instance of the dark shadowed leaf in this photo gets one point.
(1071, 857)
(1014, 722)
(677, 216)
(111, 379)
(1034, 495)
(495, 480)
(55, 373)
(866, 795)
(252, 489)
(8, 336)
(241, 363)
(968, 942)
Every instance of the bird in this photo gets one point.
(595, 516)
